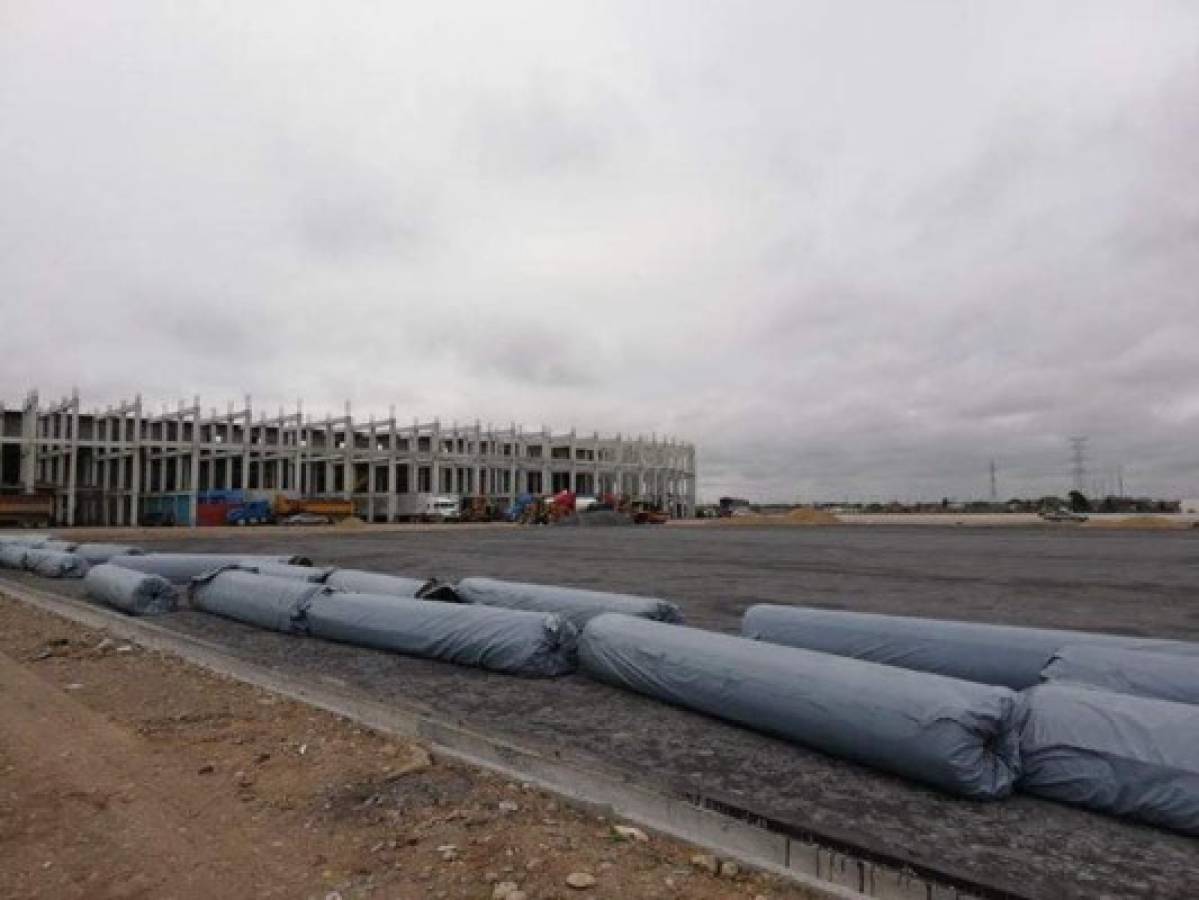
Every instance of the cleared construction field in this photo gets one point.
(1129, 582)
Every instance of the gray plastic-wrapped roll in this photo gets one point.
(502, 640)
(12, 555)
(956, 735)
(96, 553)
(575, 604)
(55, 545)
(990, 654)
(27, 540)
(180, 568)
(1142, 672)
(314, 574)
(361, 582)
(133, 592)
(55, 564)
(1129, 756)
(262, 600)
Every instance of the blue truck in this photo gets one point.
(252, 512)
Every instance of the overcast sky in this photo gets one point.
(849, 249)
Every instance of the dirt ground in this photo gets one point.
(127, 773)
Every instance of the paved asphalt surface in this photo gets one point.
(1127, 582)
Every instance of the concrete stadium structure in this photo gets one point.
(112, 466)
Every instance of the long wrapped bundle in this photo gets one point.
(274, 603)
(97, 553)
(27, 540)
(133, 592)
(956, 735)
(990, 654)
(575, 604)
(314, 574)
(362, 582)
(12, 555)
(55, 564)
(502, 640)
(180, 568)
(1141, 672)
(1128, 756)
(55, 545)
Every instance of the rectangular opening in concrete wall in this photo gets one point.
(10, 464)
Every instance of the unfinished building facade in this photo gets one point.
(124, 464)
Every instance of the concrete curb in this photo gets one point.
(824, 871)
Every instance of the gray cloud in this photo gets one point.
(851, 252)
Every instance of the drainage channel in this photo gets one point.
(827, 865)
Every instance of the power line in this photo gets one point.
(994, 485)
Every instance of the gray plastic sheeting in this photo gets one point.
(1128, 756)
(274, 603)
(991, 654)
(956, 735)
(27, 540)
(314, 574)
(181, 568)
(502, 640)
(12, 555)
(574, 604)
(1141, 672)
(133, 592)
(392, 585)
(55, 545)
(55, 564)
(95, 554)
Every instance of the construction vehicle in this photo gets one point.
(253, 512)
(331, 508)
(646, 513)
(27, 510)
(429, 507)
(478, 509)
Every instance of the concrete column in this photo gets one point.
(247, 445)
(194, 474)
(391, 466)
(348, 458)
(73, 459)
(135, 486)
(435, 467)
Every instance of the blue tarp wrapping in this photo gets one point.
(575, 604)
(502, 640)
(27, 540)
(1142, 672)
(274, 603)
(133, 592)
(392, 585)
(315, 574)
(55, 564)
(180, 568)
(95, 554)
(1128, 756)
(991, 654)
(956, 735)
(55, 545)
(12, 555)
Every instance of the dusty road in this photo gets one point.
(125, 773)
